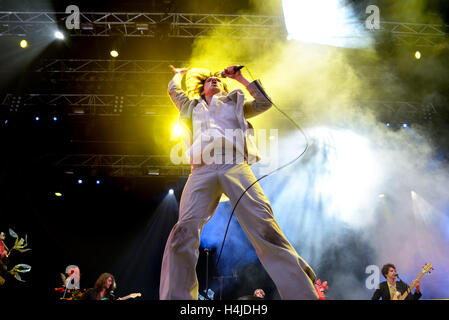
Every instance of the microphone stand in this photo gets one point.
(207, 273)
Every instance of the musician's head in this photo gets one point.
(213, 85)
(105, 281)
(201, 82)
(259, 293)
(389, 271)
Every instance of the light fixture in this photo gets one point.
(114, 53)
(418, 55)
(23, 44)
(87, 26)
(153, 172)
(142, 26)
(59, 35)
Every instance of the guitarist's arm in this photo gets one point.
(417, 293)
(411, 296)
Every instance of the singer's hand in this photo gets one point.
(230, 73)
(179, 70)
(418, 287)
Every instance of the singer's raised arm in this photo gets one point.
(261, 102)
(176, 93)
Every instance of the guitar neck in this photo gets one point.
(411, 287)
(132, 295)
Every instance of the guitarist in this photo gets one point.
(391, 289)
(103, 289)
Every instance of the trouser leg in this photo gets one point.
(199, 200)
(277, 255)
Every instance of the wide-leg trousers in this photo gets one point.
(291, 274)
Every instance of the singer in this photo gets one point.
(207, 117)
(390, 288)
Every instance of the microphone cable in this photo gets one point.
(266, 175)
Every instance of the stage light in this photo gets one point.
(381, 196)
(23, 44)
(114, 53)
(177, 130)
(58, 194)
(388, 124)
(98, 181)
(153, 172)
(37, 118)
(350, 176)
(55, 118)
(404, 125)
(325, 22)
(171, 191)
(418, 55)
(87, 26)
(59, 35)
(142, 26)
(80, 181)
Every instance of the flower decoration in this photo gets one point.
(20, 245)
(69, 294)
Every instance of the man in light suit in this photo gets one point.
(221, 165)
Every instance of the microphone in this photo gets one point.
(237, 68)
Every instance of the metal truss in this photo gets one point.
(144, 75)
(83, 66)
(191, 25)
(416, 34)
(161, 105)
(180, 25)
(120, 165)
(92, 104)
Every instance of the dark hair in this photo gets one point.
(200, 86)
(101, 283)
(386, 268)
(195, 79)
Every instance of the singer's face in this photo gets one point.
(212, 85)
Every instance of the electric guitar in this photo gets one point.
(425, 269)
(132, 295)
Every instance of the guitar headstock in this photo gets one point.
(135, 295)
(427, 268)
